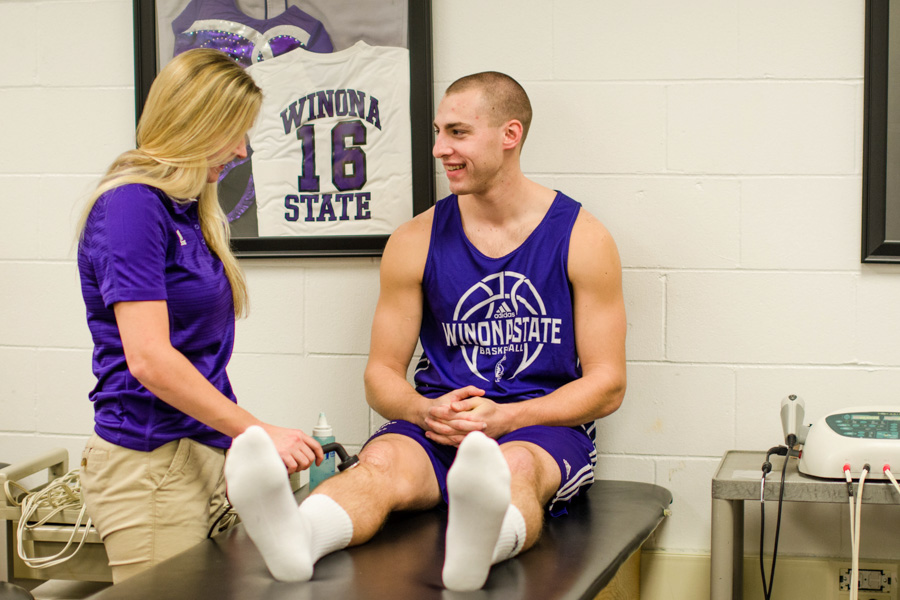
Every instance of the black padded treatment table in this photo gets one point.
(576, 557)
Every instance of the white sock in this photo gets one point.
(330, 525)
(259, 490)
(512, 535)
(478, 486)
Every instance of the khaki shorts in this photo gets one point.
(149, 506)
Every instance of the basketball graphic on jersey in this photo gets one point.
(501, 325)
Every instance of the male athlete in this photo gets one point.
(515, 293)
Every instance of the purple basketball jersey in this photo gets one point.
(504, 324)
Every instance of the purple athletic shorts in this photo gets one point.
(572, 449)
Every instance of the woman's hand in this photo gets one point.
(297, 450)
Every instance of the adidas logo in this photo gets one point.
(504, 312)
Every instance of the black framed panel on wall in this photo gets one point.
(340, 154)
(881, 137)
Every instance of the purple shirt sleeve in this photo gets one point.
(130, 246)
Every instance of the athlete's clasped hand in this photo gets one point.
(460, 412)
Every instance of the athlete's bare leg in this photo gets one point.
(536, 478)
(394, 473)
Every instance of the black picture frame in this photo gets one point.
(878, 203)
(421, 117)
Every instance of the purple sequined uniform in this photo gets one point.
(221, 25)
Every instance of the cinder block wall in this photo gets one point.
(719, 140)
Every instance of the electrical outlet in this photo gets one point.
(876, 582)
(870, 580)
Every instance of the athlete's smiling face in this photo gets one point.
(467, 143)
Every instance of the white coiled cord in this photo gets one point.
(63, 493)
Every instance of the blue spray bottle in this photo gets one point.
(323, 434)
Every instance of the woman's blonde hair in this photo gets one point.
(200, 105)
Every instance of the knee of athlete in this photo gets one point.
(379, 457)
(521, 461)
(383, 460)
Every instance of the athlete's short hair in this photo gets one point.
(504, 96)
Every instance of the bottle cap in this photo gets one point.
(322, 428)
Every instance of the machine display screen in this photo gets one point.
(868, 425)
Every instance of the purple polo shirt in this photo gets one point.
(139, 244)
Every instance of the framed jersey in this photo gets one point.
(340, 154)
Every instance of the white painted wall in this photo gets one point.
(719, 140)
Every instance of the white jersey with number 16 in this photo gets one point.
(331, 145)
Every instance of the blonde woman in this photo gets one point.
(162, 290)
